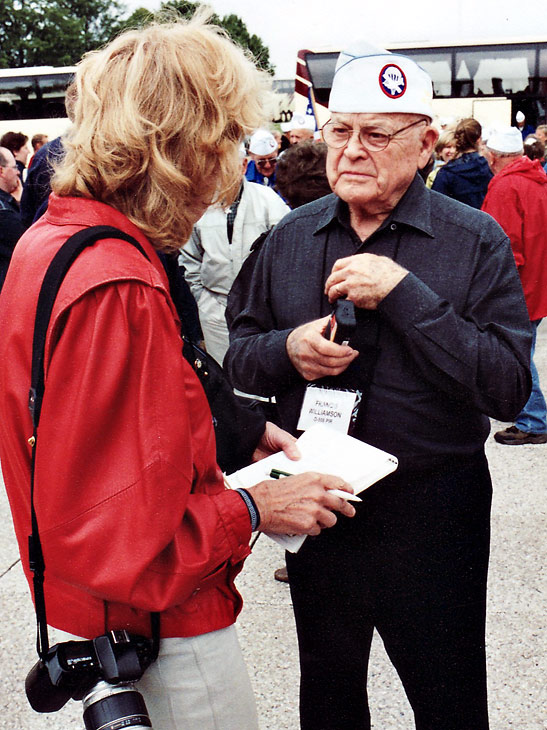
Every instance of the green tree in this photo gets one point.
(53, 32)
(59, 32)
(232, 24)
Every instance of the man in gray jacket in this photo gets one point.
(442, 341)
(220, 242)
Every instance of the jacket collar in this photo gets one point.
(413, 210)
(524, 166)
(72, 211)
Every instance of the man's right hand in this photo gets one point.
(300, 504)
(313, 355)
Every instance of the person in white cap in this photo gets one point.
(263, 152)
(517, 199)
(524, 128)
(441, 342)
(301, 128)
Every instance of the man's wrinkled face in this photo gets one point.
(299, 135)
(265, 163)
(374, 181)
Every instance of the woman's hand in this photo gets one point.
(275, 439)
(300, 504)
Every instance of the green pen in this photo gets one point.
(276, 473)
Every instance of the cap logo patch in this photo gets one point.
(392, 81)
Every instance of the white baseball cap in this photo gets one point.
(299, 121)
(262, 143)
(368, 79)
(520, 117)
(506, 139)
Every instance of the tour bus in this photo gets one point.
(488, 80)
(32, 100)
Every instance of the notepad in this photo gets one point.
(327, 451)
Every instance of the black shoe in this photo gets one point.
(282, 575)
(513, 436)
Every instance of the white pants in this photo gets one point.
(197, 683)
(200, 683)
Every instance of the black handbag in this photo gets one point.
(238, 426)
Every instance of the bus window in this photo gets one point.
(33, 96)
(437, 62)
(497, 71)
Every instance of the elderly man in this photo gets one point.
(300, 128)
(11, 228)
(517, 199)
(442, 339)
(263, 150)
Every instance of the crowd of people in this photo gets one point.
(439, 242)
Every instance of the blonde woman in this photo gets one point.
(445, 150)
(133, 514)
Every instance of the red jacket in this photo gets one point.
(132, 510)
(517, 199)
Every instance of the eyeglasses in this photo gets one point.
(264, 163)
(374, 139)
(11, 167)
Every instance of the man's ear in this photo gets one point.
(428, 142)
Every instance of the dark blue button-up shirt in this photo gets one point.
(449, 344)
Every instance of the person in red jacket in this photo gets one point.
(133, 513)
(517, 199)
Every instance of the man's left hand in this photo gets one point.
(365, 279)
(275, 439)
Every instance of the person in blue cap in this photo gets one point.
(442, 341)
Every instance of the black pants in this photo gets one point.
(413, 564)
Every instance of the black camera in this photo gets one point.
(342, 322)
(101, 672)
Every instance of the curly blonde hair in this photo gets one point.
(158, 116)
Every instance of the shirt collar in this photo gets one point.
(413, 210)
(6, 195)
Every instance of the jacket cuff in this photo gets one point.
(279, 362)
(236, 521)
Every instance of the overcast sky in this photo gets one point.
(286, 26)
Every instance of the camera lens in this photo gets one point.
(115, 706)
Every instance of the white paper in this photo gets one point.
(324, 450)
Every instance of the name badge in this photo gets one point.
(330, 407)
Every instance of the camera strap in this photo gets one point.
(52, 281)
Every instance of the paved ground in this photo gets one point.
(516, 618)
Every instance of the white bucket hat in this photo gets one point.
(507, 140)
(299, 121)
(372, 80)
(262, 143)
